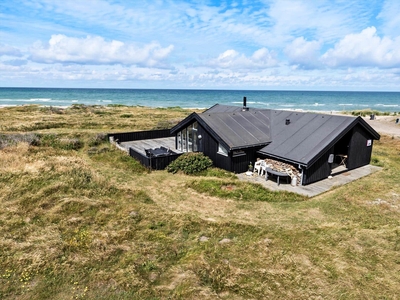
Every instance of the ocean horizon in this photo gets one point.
(203, 98)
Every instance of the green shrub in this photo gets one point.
(97, 139)
(126, 116)
(190, 163)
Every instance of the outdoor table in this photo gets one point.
(277, 174)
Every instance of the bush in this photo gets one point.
(190, 163)
(97, 139)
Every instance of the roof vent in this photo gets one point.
(287, 121)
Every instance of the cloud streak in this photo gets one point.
(247, 44)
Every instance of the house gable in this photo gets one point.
(235, 129)
(308, 135)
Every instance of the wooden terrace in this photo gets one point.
(341, 176)
(140, 145)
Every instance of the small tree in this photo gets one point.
(190, 163)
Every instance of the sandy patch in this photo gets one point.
(385, 125)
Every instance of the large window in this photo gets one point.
(187, 138)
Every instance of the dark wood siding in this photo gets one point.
(241, 163)
(359, 153)
(209, 146)
(321, 169)
(140, 135)
(237, 164)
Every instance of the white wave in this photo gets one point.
(387, 105)
(346, 104)
(40, 99)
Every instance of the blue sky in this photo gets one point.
(263, 45)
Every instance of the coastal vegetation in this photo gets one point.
(369, 112)
(79, 219)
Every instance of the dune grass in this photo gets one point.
(81, 220)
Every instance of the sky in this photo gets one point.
(258, 45)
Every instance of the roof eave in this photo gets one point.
(250, 146)
(184, 122)
(284, 159)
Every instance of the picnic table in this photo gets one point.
(277, 174)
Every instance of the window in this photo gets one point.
(222, 150)
(187, 138)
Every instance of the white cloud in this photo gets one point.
(231, 59)
(95, 50)
(317, 20)
(303, 53)
(9, 51)
(390, 17)
(365, 49)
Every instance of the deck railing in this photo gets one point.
(154, 163)
(139, 135)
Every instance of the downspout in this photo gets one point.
(301, 174)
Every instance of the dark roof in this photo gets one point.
(220, 108)
(235, 129)
(307, 135)
(302, 141)
(240, 129)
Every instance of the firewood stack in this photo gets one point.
(283, 168)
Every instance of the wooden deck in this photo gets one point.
(140, 145)
(341, 177)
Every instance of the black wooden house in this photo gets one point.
(233, 137)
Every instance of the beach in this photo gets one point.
(385, 125)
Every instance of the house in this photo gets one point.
(314, 143)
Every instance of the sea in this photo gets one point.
(199, 99)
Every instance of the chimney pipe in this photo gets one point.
(244, 104)
(287, 121)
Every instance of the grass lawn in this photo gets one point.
(79, 219)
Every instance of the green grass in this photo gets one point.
(241, 191)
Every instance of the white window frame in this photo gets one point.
(222, 150)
